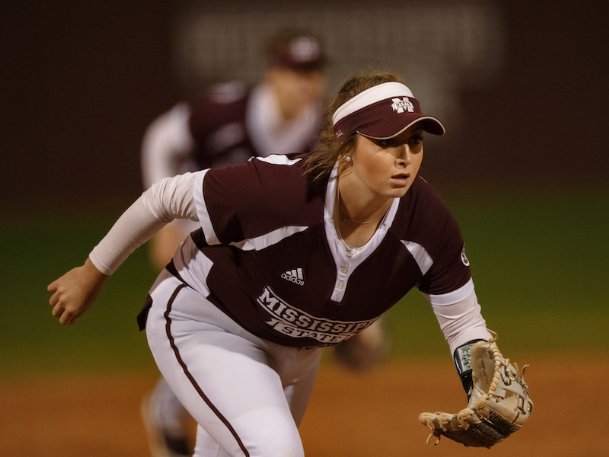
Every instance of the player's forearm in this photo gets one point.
(135, 226)
(461, 321)
(462, 324)
(166, 200)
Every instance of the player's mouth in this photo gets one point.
(400, 179)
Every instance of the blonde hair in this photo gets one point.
(320, 162)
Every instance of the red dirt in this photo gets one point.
(369, 415)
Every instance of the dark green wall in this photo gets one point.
(81, 81)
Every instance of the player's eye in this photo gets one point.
(385, 143)
(415, 139)
(415, 142)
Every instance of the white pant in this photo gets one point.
(246, 394)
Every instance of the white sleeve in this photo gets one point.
(461, 320)
(169, 199)
(166, 140)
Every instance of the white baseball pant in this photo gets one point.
(248, 395)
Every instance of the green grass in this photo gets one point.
(539, 263)
(36, 251)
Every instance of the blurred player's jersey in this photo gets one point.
(230, 123)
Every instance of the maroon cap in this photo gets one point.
(382, 112)
(298, 51)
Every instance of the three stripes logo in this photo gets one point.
(294, 276)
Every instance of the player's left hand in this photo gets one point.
(499, 404)
(73, 293)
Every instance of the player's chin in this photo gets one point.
(398, 191)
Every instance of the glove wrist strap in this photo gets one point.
(462, 359)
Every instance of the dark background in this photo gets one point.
(82, 80)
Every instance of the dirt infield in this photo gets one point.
(370, 415)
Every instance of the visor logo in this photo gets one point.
(402, 105)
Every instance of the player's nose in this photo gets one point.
(404, 155)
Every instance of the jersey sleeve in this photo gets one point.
(243, 201)
(449, 275)
(163, 202)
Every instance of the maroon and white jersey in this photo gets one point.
(231, 123)
(228, 123)
(268, 254)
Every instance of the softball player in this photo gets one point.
(292, 255)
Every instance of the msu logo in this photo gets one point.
(402, 105)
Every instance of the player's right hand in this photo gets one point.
(73, 293)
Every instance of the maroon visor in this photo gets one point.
(383, 118)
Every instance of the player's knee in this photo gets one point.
(261, 432)
(278, 441)
(275, 447)
(278, 449)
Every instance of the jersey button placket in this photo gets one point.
(343, 276)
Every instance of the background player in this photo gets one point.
(229, 123)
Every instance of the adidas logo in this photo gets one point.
(294, 276)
